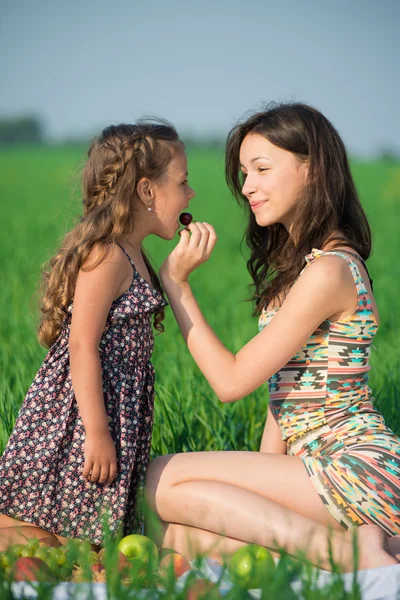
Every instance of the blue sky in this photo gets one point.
(202, 65)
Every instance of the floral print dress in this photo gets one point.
(41, 468)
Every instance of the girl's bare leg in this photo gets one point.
(191, 541)
(223, 492)
(14, 531)
(21, 535)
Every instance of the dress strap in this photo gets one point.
(363, 296)
(127, 256)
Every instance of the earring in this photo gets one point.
(149, 208)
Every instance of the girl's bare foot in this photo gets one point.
(373, 548)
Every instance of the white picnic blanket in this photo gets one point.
(375, 584)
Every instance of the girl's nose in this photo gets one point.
(192, 193)
(248, 187)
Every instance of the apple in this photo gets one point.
(123, 562)
(30, 569)
(179, 563)
(136, 546)
(251, 565)
(164, 552)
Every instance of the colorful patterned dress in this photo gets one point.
(323, 405)
(41, 468)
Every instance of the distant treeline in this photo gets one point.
(26, 129)
(30, 130)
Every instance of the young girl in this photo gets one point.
(327, 460)
(82, 438)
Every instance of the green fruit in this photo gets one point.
(59, 556)
(28, 551)
(33, 543)
(139, 547)
(251, 565)
(43, 553)
(16, 549)
(5, 560)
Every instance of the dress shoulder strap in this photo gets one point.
(127, 256)
(363, 296)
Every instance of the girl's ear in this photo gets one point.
(145, 191)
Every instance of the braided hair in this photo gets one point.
(117, 160)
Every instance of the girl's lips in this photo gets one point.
(256, 205)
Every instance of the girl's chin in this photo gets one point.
(264, 222)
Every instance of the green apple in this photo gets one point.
(251, 565)
(139, 547)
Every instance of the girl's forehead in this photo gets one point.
(256, 146)
(178, 162)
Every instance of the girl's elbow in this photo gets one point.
(227, 395)
(77, 346)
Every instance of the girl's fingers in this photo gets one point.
(95, 473)
(104, 474)
(195, 235)
(212, 237)
(113, 473)
(86, 469)
(185, 238)
(204, 237)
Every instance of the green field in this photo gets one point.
(40, 197)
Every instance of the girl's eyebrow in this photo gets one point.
(256, 158)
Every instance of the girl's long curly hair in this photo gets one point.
(329, 201)
(117, 160)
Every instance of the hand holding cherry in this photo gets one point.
(196, 243)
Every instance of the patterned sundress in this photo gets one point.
(41, 468)
(323, 404)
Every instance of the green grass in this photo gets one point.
(40, 191)
(40, 197)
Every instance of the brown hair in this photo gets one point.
(329, 201)
(117, 159)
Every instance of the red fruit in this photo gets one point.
(102, 556)
(164, 551)
(97, 568)
(180, 563)
(185, 218)
(30, 569)
(123, 562)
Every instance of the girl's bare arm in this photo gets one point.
(324, 289)
(94, 293)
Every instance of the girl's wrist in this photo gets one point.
(167, 279)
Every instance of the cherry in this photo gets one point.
(185, 218)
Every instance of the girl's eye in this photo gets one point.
(185, 182)
(260, 169)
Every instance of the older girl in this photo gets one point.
(327, 460)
